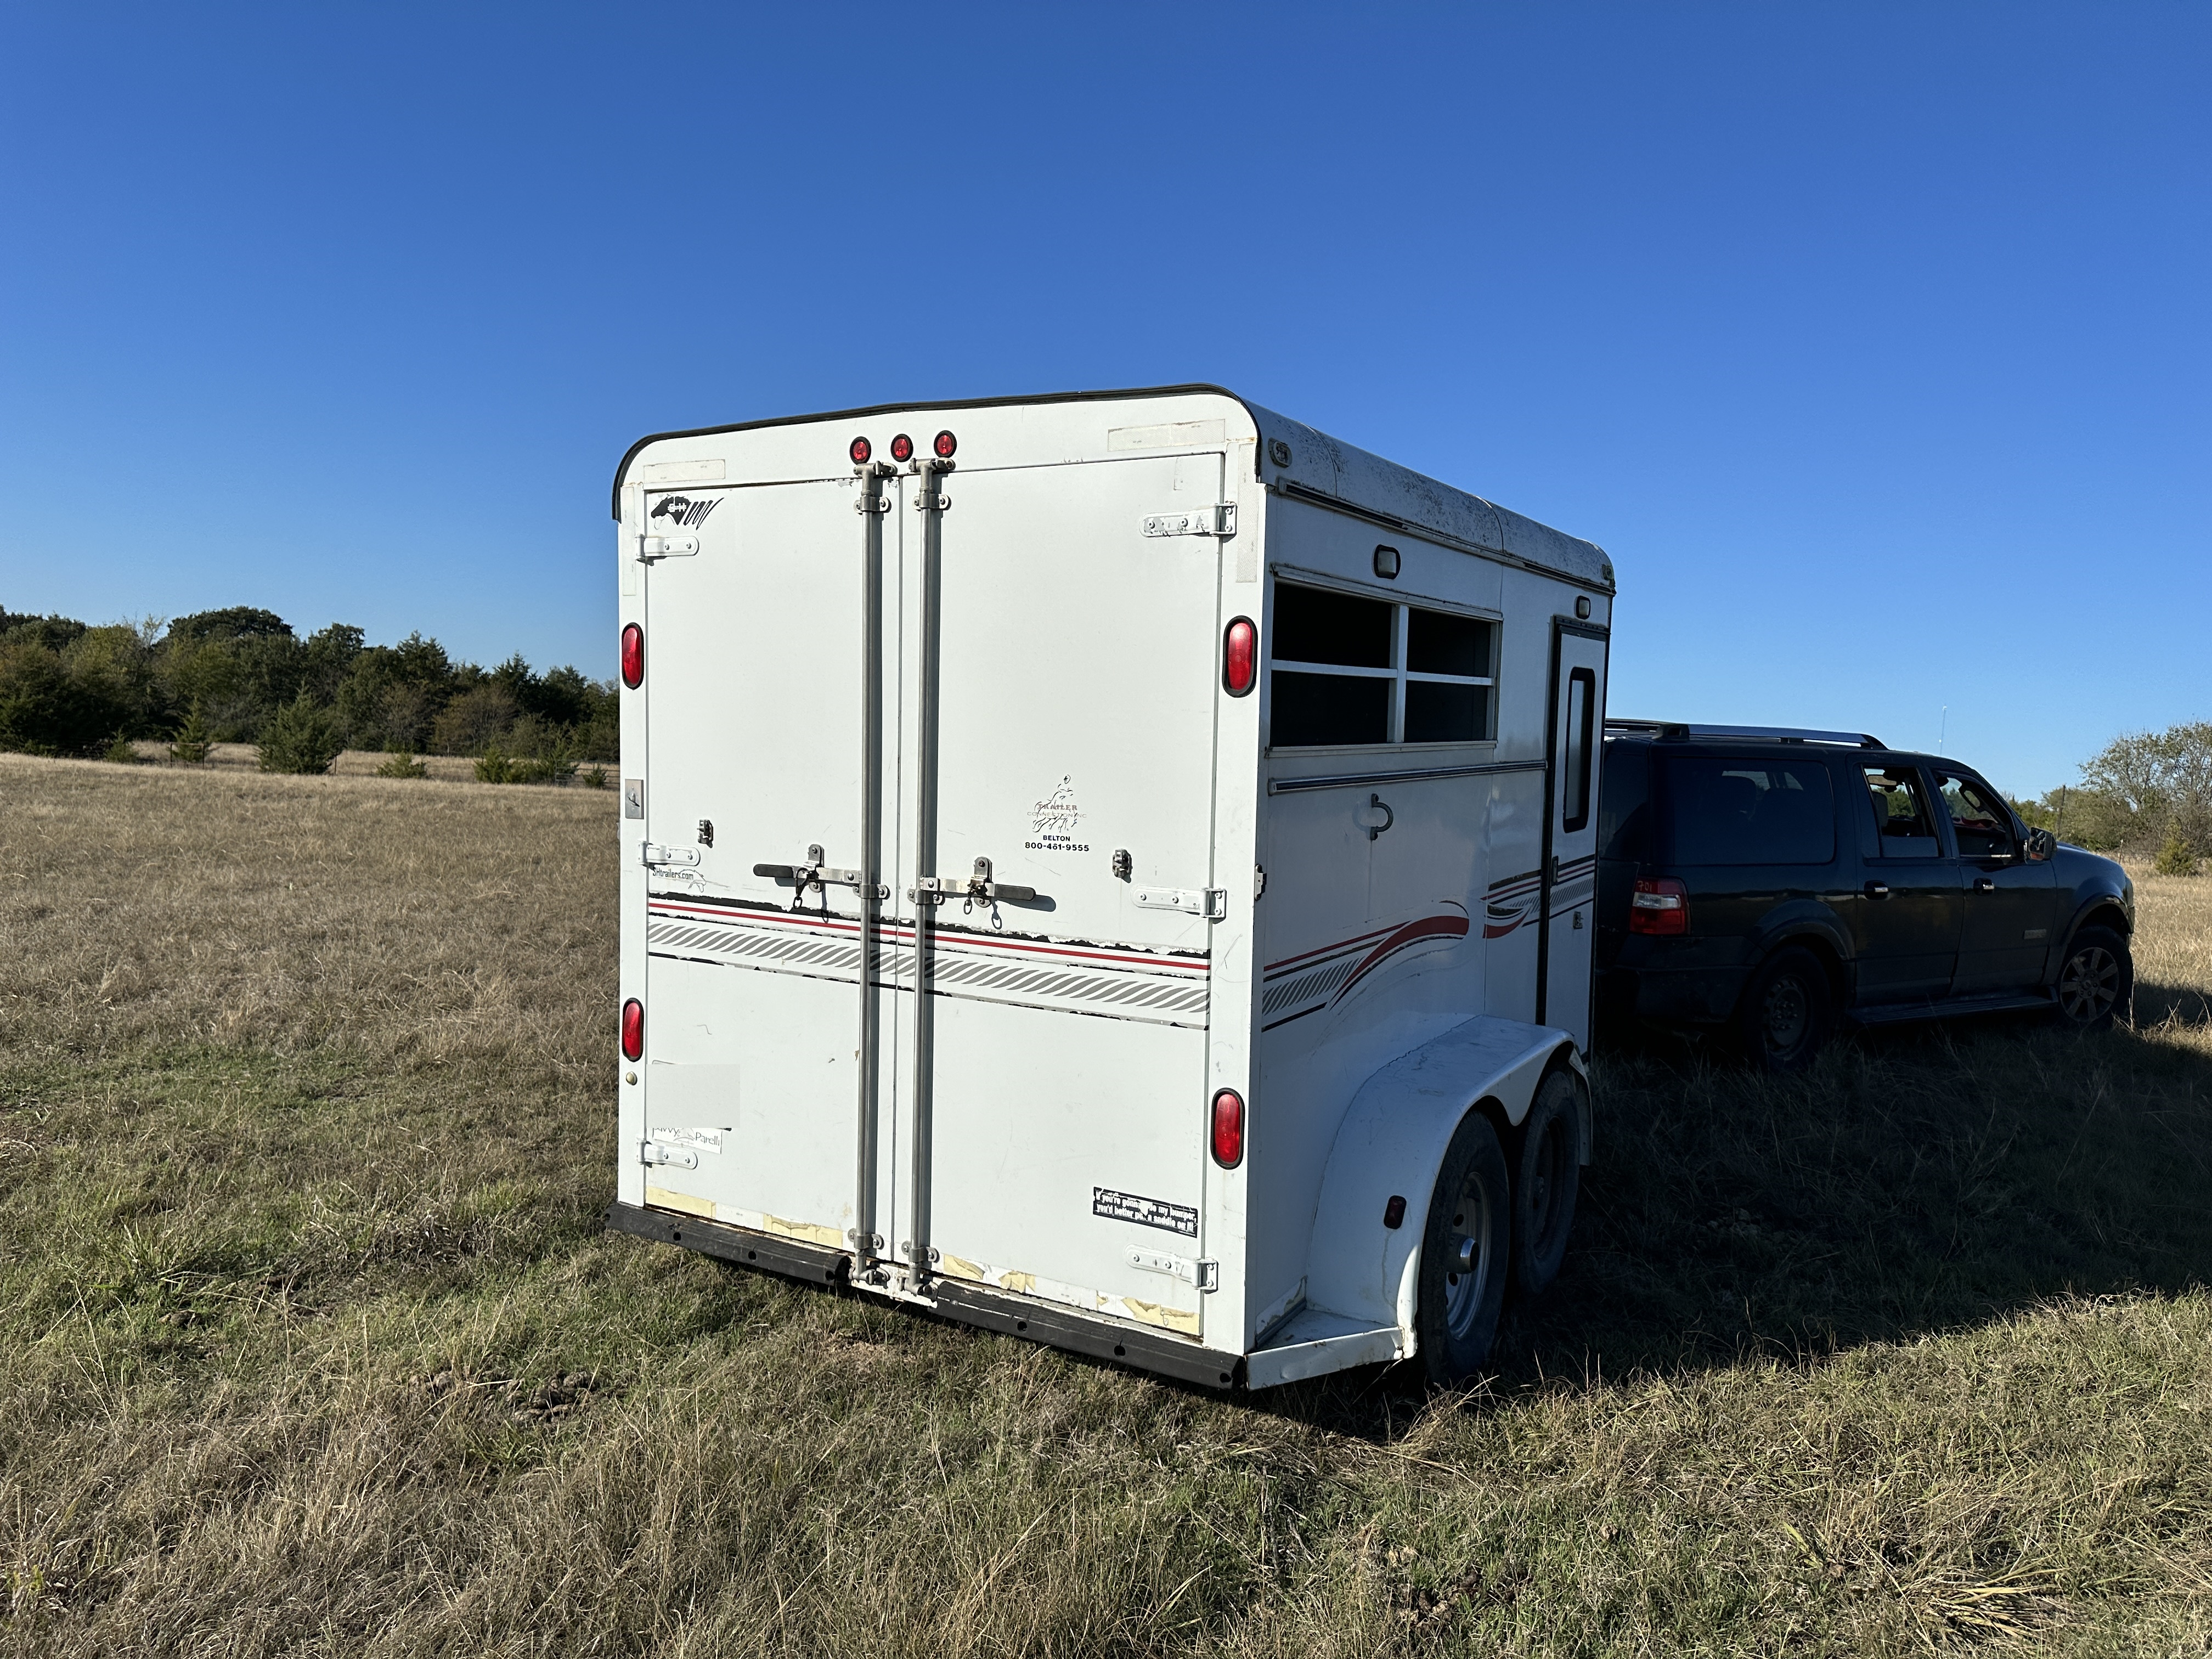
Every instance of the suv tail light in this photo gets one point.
(1660, 906)
(633, 1030)
(1228, 1128)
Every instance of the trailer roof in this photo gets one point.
(1318, 468)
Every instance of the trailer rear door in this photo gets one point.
(752, 714)
(1059, 1148)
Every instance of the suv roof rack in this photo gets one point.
(1767, 733)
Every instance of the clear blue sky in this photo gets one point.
(1871, 340)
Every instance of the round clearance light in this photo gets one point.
(902, 448)
(861, 451)
(945, 443)
(633, 1030)
(1228, 1128)
(1240, 657)
(633, 656)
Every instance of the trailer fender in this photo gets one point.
(1389, 1148)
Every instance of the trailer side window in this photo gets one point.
(1345, 669)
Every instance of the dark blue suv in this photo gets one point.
(1776, 882)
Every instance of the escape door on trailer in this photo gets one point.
(1067, 1061)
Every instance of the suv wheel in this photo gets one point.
(1463, 1255)
(2096, 981)
(1786, 1011)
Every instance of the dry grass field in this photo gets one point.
(311, 1342)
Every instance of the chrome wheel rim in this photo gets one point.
(1463, 1291)
(1787, 1013)
(2090, 984)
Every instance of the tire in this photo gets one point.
(1787, 1011)
(1472, 1208)
(2096, 981)
(1547, 1176)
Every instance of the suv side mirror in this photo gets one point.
(2040, 845)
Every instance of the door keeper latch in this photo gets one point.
(1212, 902)
(675, 1157)
(1205, 1275)
(655, 855)
(650, 548)
(1219, 520)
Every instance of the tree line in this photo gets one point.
(242, 675)
(2147, 794)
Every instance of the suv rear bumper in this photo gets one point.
(1693, 995)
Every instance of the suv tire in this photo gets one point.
(2096, 981)
(1547, 1176)
(1786, 1011)
(1465, 1246)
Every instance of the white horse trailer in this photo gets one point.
(1114, 869)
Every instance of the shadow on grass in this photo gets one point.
(1918, 1180)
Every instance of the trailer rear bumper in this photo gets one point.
(970, 1304)
(786, 1256)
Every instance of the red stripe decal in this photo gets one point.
(1453, 926)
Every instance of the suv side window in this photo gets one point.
(1981, 822)
(1749, 811)
(1904, 827)
(1622, 812)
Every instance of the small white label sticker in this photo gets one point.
(703, 1140)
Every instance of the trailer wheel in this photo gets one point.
(1545, 1183)
(1464, 1251)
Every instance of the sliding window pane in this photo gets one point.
(1438, 644)
(1309, 709)
(1312, 626)
(1439, 712)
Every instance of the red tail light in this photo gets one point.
(633, 656)
(633, 1030)
(1240, 657)
(1659, 907)
(1228, 1128)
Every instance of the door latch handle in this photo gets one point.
(977, 888)
(1877, 889)
(1983, 885)
(815, 873)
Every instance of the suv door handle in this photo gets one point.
(1983, 885)
(1877, 889)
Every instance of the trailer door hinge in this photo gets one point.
(1205, 1275)
(677, 1157)
(1212, 902)
(650, 548)
(654, 856)
(1217, 520)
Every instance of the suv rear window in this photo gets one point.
(1750, 811)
